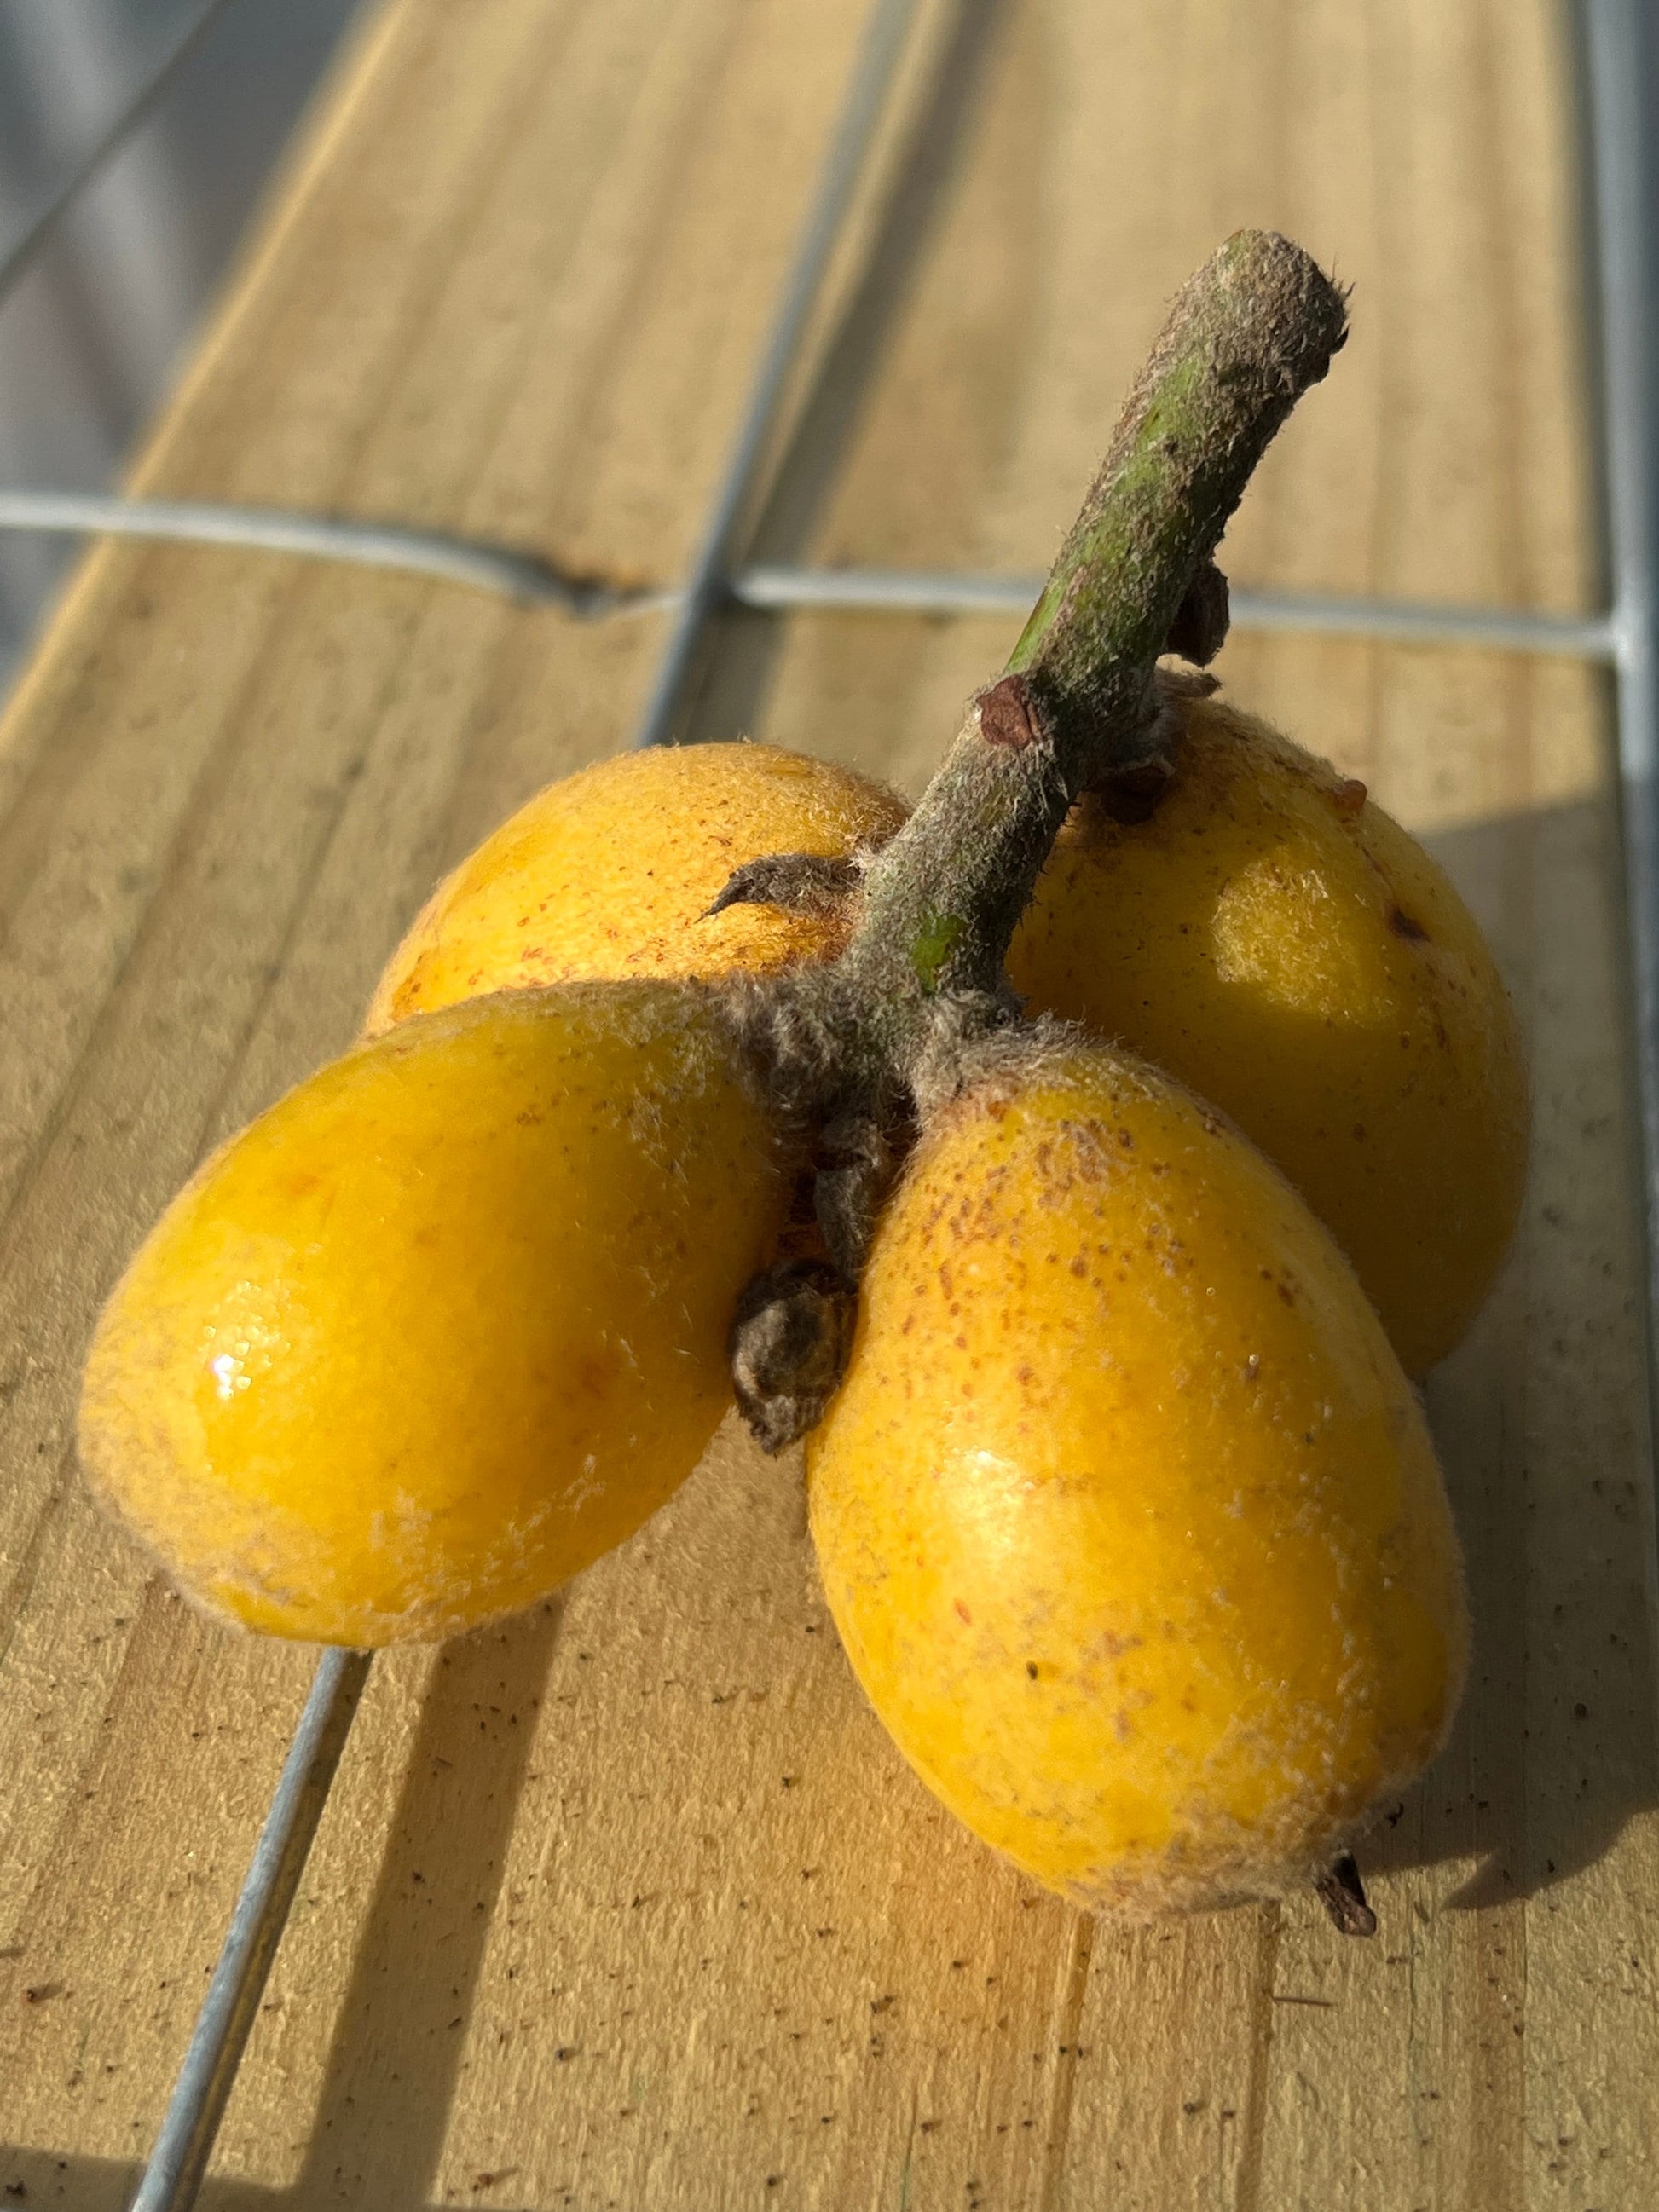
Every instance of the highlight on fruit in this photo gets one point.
(1079, 1162)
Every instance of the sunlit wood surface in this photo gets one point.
(632, 1905)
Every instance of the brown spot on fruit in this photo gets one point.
(1403, 924)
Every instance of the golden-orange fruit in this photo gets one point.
(611, 872)
(446, 1323)
(1271, 937)
(1127, 1515)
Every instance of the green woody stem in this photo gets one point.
(1244, 339)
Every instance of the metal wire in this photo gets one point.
(918, 592)
(182, 2149)
(61, 197)
(768, 587)
(520, 576)
(706, 588)
(1622, 57)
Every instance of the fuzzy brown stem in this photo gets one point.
(1245, 338)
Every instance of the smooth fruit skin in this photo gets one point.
(1273, 939)
(611, 872)
(1127, 1515)
(446, 1323)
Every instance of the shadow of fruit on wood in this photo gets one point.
(440, 1896)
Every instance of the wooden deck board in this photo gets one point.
(631, 1903)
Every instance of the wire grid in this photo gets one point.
(1617, 54)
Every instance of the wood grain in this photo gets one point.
(632, 1904)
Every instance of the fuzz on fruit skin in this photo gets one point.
(445, 1324)
(1127, 1515)
(1273, 939)
(611, 872)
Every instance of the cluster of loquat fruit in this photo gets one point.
(1125, 1508)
